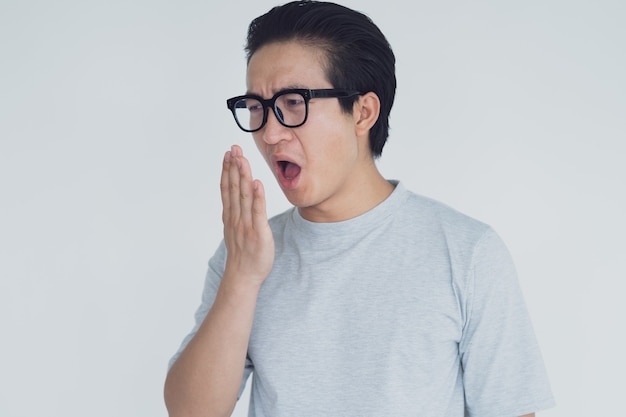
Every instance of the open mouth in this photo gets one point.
(289, 170)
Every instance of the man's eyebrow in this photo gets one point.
(294, 86)
(287, 87)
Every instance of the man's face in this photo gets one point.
(317, 165)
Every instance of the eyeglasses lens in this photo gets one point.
(249, 113)
(290, 109)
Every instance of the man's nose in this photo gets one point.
(274, 131)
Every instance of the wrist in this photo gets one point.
(240, 284)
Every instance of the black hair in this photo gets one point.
(358, 56)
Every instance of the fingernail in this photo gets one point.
(227, 157)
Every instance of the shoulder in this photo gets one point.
(439, 219)
(465, 243)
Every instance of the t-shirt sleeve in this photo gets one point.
(503, 371)
(211, 284)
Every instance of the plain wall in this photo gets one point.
(113, 125)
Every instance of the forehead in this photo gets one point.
(280, 65)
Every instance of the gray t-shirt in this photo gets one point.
(411, 309)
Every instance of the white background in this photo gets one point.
(113, 124)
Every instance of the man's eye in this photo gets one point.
(294, 101)
(291, 100)
(255, 107)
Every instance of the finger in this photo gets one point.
(246, 191)
(225, 185)
(236, 150)
(259, 211)
(234, 188)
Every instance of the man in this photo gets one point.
(364, 299)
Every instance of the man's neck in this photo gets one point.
(370, 191)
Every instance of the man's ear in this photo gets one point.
(365, 111)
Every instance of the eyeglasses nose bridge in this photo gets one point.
(276, 112)
(271, 104)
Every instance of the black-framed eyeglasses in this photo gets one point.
(291, 106)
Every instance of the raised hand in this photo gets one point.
(248, 237)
